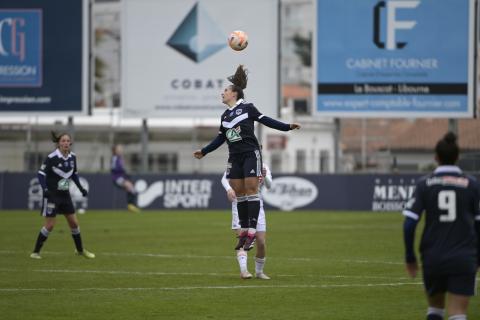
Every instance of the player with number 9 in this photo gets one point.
(450, 246)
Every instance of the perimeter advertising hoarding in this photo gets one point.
(175, 57)
(370, 192)
(43, 56)
(394, 58)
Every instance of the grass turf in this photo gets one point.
(181, 265)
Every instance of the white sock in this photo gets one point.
(259, 264)
(242, 260)
(458, 317)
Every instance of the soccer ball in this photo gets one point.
(238, 40)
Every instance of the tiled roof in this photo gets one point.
(296, 91)
(401, 134)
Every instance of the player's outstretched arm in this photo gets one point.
(217, 142)
(275, 124)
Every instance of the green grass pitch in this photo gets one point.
(181, 265)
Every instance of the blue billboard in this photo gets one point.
(20, 48)
(44, 56)
(395, 58)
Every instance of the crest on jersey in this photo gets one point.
(233, 134)
(238, 112)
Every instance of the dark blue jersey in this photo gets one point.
(237, 128)
(56, 172)
(450, 201)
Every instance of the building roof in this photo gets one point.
(404, 134)
(296, 91)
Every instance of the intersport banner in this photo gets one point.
(395, 58)
(370, 192)
(175, 57)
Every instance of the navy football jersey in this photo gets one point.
(237, 125)
(450, 200)
(58, 171)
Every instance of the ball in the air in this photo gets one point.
(238, 40)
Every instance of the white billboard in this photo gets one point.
(175, 57)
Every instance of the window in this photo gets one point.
(301, 161)
(324, 161)
(33, 160)
(276, 162)
(159, 162)
(167, 162)
(300, 106)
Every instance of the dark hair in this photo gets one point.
(239, 80)
(56, 137)
(447, 149)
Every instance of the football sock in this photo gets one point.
(242, 207)
(131, 198)
(242, 260)
(77, 239)
(458, 317)
(259, 264)
(42, 236)
(253, 209)
(435, 313)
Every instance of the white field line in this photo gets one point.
(322, 286)
(188, 256)
(212, 274)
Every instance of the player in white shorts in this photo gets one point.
(265, 180)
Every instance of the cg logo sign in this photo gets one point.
(15, 44)
(20, 47)
(288, 193)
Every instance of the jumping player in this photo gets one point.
(244, 161)
(265, 180)
(54, 176)
(450, 246)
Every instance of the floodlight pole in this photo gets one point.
(71, 127)
(453, 126)
(144, 141)
(29, 148)
(336, 146)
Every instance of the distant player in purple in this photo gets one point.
(450, 247)
(121, 179)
